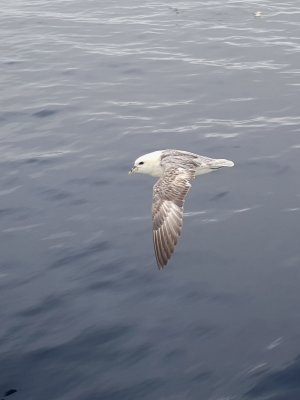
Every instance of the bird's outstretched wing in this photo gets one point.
(167, 208)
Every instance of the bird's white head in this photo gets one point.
(148, 164)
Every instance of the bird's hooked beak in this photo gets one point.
(133, 169)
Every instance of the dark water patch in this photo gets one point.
(117, 277)
(135, 353)
(107, 284)
(7, 211)
(10, 392)
(101, 341)
(100, 182)
(99, 337)
(205, 330)
(121, 280)
(174, 9)
(266, 163)
(283, 384)
(119, 65)
(222, 298)
(49, 304)
(89, 182)
(147, 389)
(12, 115)
(12, 62)
(202, 376)
(45, 113)
(111, 268)
(140, 276)
(77, 202)
(282, 170)
(229, 299)
(65, 364)
(13, 281)
(55, 194)
(70, 71)
(219, 196)
(137, 279)
(40, 160)
(76, 256)
(173, 355)
(133, 71)
(10, 181)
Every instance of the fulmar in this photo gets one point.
(175, 169)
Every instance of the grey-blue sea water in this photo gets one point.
(86, 88)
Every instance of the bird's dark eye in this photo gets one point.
(141, 163)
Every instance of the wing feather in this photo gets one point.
(169, 194)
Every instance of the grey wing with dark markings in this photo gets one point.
(169, 194)
(185, 159)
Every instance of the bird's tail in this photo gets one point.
(219, 163)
